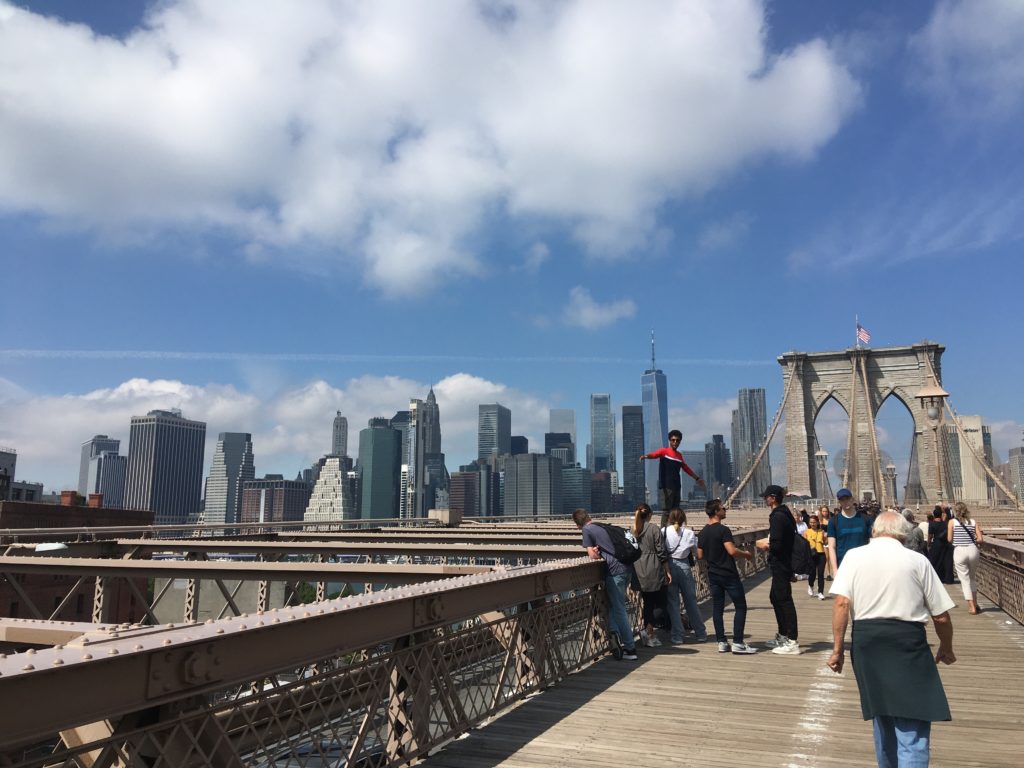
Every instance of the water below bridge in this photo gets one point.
(690, 705)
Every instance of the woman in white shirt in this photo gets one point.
(965, 534)
(681, 546)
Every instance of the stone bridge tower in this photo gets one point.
(860, 380)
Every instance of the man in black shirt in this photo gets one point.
(781, 533)
(714, 544)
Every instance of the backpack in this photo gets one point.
(801, 561)
(625, 547)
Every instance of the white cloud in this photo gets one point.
(583, 311)
(384, 135)
(970, 57)
(290, 429)
(720, 235)
(537, 254)
(708, 416)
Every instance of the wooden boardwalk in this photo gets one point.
(690, 705)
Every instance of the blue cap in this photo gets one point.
(844, 493)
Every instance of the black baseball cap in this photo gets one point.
(774, 490)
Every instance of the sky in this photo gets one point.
(262, 213)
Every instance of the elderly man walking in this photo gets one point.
(891, 592)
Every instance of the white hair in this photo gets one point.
(893, 525)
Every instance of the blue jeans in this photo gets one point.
(618, 619)
(720, 586)
(901, 742)
(682, 583)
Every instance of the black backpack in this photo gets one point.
(625, 549)
(802, 561)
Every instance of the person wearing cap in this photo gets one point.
(846, 530)
(779, 545)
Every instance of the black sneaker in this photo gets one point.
(629, 655)
(615, 644)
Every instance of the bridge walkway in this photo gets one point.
(690, 705)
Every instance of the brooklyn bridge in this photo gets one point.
(478, 642)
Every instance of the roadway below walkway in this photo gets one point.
(690, 705)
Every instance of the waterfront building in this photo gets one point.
(633, 481)
(601, 456)
(90, 450)
(165, 466)
(532, 485)
(380, 447)
(494, 430)
(232, 466)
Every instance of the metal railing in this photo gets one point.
(1001, 575)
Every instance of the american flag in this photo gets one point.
(862, 334)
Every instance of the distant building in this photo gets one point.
(718, 465)
(165, 466)
(749, 432)
(967, 477)
(602, 433)
(563, 420)
(464, 494)
(272, 499)
(633, 484)
(8, 465)
(654, 396)
(576, 489)
(380, 447)
(533, 485)
(519, 444)
(560, 445)
(91, 449)
(688, 490)
(339, 435)
(22, 490)
(107, 475)
(232, 465)
(331, 498)
(1016, 472)
(494, 430)
(601, 493)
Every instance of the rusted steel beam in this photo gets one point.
(143, 667)
(218, 569)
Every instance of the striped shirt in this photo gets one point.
(962, 536)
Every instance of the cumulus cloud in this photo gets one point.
(290, 429)
(706, 417)
(970, 57)
(383, 136)
(583, 311)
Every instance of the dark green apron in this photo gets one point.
(896, 671)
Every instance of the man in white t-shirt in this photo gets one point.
(891, 592)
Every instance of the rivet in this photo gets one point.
(166, 642)
(137, 647)
(112, 652)
(220, 631)
(27, 668)
(86, 656)
(243, 627)
(30, 652)
(58, 662)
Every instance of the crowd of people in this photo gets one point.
(887, 572)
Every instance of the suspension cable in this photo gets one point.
(876, 460)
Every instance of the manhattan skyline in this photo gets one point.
(870, 165)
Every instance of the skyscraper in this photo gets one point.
(8, 463)
(331, 498)
(165, 466)
(1016, 462)
(339, 436)
(718, 464)
(91, 449)
(380, 448)
(533, 485)
(602, 433)
(560, 445)
(107, 475)
(576, 488)
(967, 477)
(633, 486)
(273, 499)
(563, 420)
(494, 431)
(430, 416)
(519, 444)
(749, 431)
(232, 465)
(654, 396)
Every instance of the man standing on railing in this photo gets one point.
(616, 578)
(670, 464)
(891, 592)
(779, 545)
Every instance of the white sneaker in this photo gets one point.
(743, 648)
(723, 647)
(821, 596)
(777, 641)
(810, 591)
(645, 639)
(654, 642)
(790, 648)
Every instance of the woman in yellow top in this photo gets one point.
(815, 536)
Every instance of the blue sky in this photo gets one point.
(294, 209)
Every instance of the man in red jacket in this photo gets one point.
(670, 462)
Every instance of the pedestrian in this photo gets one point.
(681, 545)
(824, 515)
(779, 545)
(890, 592)
(939, 549)
(652, 572)
(965, 534)
(915, 539)
(616, 578)
(847, 529)
(815, 536)
(715, 546)
(670, 463)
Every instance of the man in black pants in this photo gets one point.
(779, 544)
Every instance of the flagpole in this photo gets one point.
(856, 328)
